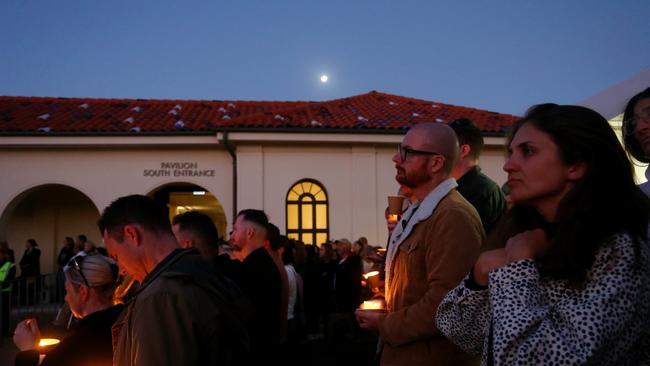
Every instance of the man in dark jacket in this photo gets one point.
(184, 313)
(260, 281)
(477, 188)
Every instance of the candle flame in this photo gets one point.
(372, 305)
(370, 274)
(48, 342)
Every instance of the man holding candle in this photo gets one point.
(431, 249)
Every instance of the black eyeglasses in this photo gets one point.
(404, 152)
(74, 262)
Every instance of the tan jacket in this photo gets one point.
(432, 260)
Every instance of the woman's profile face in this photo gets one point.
(536, 175)
(73, 298)
(642, 126)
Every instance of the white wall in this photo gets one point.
(358, 176)
(492, 160)
(104, 175)
(357, 180)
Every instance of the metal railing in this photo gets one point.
(32, 297)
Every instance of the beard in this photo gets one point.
(413, 179)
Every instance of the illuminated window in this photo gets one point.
(307, 210)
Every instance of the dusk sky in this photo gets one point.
(501, 56)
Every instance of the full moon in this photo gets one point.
(323, 78)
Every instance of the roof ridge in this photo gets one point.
(362, 112)
(135, 100)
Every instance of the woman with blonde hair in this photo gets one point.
(90, 282)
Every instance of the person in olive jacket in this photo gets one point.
(184, 312)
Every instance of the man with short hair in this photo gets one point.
(260, 281)
(481, 191)
(194, 229)
(431, 249)
(184, 312)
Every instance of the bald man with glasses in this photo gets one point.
(431, 250)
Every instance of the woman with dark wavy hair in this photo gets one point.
(570, 283)
(636, 131)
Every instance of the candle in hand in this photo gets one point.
(47, 342)
(372, 305)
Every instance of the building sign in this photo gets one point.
(178, 169)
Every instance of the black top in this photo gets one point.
(89, 343)
(347, 284)
(260, 281)
(485, 195)
(30, 264)
(64, 256)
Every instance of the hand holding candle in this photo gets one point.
(373, 305)
(371, 313)
(27, 335)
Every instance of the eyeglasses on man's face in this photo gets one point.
(405, 152)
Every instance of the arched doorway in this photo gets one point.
(48, 213)
(182, 197)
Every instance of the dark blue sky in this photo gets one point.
(498, 55)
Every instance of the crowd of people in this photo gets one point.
(556, 271)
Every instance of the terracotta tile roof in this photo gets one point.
(370, 112)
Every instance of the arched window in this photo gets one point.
(307, 212)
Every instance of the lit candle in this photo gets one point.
(370, 274)
(372, 305)
(393, 218)
(46, 345)
(48, 342)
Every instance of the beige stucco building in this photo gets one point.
(61, 165)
